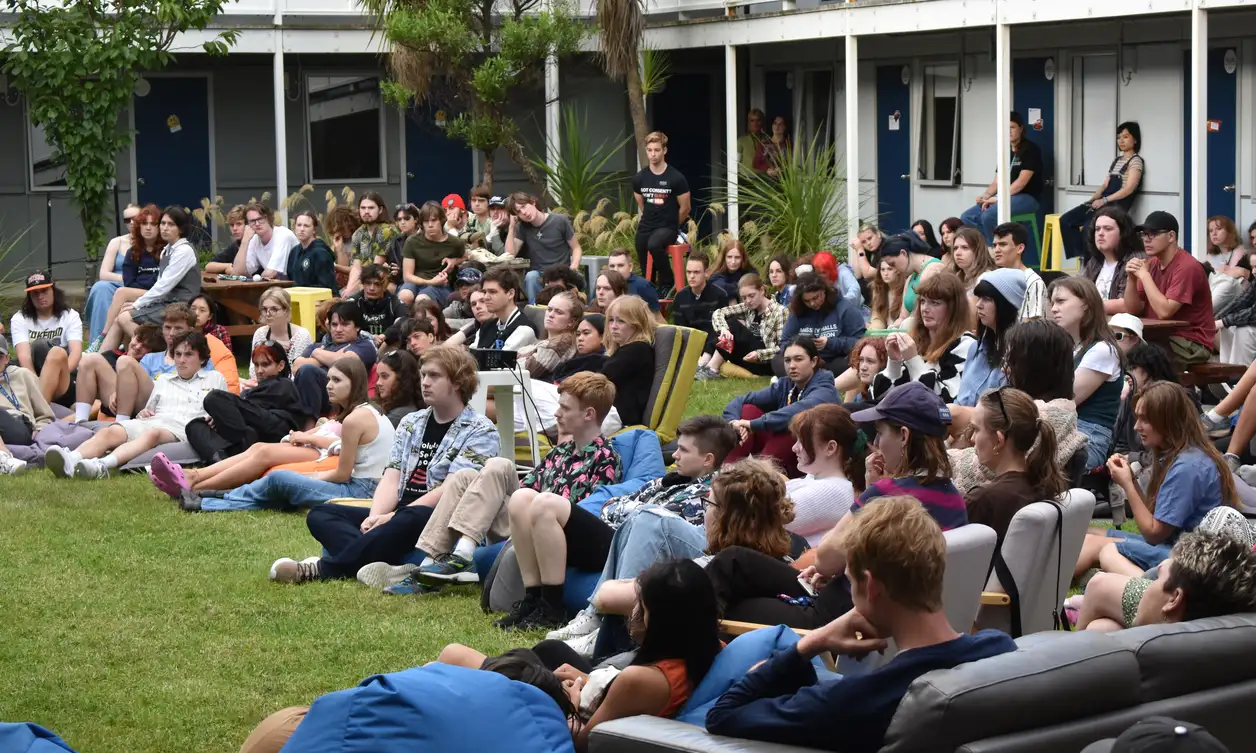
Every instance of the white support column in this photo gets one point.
(1198, 209)
(1003, 108)
(281, 126)
(731, 119)
(852, 137)
(553, 149)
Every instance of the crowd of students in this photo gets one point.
(916, 388)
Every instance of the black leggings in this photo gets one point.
(339, 529)
(653, 244)
(237, 424)
(748, 584)
(744, 342)
(588, 540)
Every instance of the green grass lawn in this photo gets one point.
(129, 626)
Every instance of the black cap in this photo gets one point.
(1160, 734)
(38, 281)
(912, 405)
(496, 201)
(1159, 222)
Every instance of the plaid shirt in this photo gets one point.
(573, 473)
(770, 325)
(676, 493)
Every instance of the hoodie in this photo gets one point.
(843, 326)
(774, 401)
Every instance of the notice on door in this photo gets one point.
(173, 123)
(895, 120)
(1214, 126)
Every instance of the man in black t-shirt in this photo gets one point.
(222, 261)
(379, 307)
(698, 301)
(663, 199)
(1026, 179)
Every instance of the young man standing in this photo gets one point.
(509, 329)
(621, 261)
(547, 239)
(896, 557)
(749, 331)
(380, 309)
(455, 215)
(697, 301)
(548, 528)
(428, 258)
(1172, 284)
(663, 200)
(263, 247)
(1009, 250)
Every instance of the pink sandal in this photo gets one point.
(167, 476)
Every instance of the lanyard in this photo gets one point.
(7, 390)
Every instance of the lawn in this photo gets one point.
(131, 627)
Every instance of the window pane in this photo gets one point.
(818, 112)
(939, 128)
(1094, 118)
(344, 115)
(46, 171)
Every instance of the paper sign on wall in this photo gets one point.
(173, 123)
(895, 120)
(1214, 126)
(1035, 118)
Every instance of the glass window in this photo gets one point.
(1094, 118)
(817, 115)
(938, 158)
(345, 118)
(47, 171)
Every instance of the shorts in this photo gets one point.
(1136, 549)
(1133, 593)
(1189, 352)
(588, 540)
(437, 293)
(137, 426)
(152, 313)
(39, 354)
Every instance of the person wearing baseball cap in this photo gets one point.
(455, 214)
(48, 338)
(1160, 734)
(909, 453)
(1172, 285)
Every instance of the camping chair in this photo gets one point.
(676, 354)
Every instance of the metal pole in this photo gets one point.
(1003, 107)
(48, 226)
(1197, 212)
(117, 210)
(730, 136)
(553, 148)
(852, 137)
(281, 126)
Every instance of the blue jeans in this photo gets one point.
(532, 284)
(437, 293)
(986, 219)
(97, 307)
(285, 490)
(650, 535)
(1098, 440)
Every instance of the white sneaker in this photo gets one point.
(381, 575)
(584, 644)
(275, 566)
(585, 622)
(11, 466)
(91, 469)
(61, 461)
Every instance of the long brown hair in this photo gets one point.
(1015, 414)
(944, 287)
(752, 509)
(884, 298)
(1094, 325)
(148, 212)
(355, 371)
(982, 260)
(826, 423)
(1170, 410)
(924, 457)
(1232, 232)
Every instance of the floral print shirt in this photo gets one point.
(369, 242)
(574, 473)
(682, 495)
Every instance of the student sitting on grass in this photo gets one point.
(1189, 477)
(175, 400)
(895, 560)
(365, 438)
(748, 331)
(23, 410)
(346, 338)
(48, 338)
(819, 312)
(430, 445)
(398, 389)
(867, 359)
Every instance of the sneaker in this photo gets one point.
(1215, 429)
(705, 374)
(1233, 461)
(518, 612)
(584, 644)
(449, 568)
(411, 586)
(11, 466)
(381, 575)
(189, 501)
(544, 617)
(91, 469)
(60, 461)
(288, 570)
(1248, 474)
(585, 623)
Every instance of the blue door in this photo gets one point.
(893, 150)
(172, 142)
(1034, 94)
(1223, 130)
(778, 99)
(690, 131)
(436, 166)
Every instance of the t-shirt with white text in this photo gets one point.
(433, 434)
(61, 330)
(660, 194)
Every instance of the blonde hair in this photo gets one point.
(235, 214)
(635, 311)
(896, 541)
(656, 137)
(458, 365)
(591, 391)
(276, 295)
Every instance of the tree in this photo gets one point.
(468, 56)
(76, 63)
(620, 24)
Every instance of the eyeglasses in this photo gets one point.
(1148, 235)
(255, 220)
(410, 209)
(270, 310)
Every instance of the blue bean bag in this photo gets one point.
(438, 707)
(30, 738)
(733, 663)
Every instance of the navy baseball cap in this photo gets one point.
(912, 405)
(1160, 734)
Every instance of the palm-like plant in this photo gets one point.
(578, 178)
(620, 23)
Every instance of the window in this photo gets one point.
(1093, 118)
(939, 131)
(47, 172)
(817, 109)
(346, 118)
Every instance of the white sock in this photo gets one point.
(123, 417)
(109, 461)
(465, 548)
(82, 411)
(1213, 415)
(427, 561)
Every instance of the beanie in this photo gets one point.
(1009, 282)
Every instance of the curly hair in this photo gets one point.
(877, 343)
(152, 213)
(1217, 573)
(752, 509)
(342, 221)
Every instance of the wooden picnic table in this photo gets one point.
(1160, 330)
(239, 301)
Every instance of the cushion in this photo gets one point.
(1185, 657)
(641, 461)
(178, 452)
(30, 738)
(428, 708)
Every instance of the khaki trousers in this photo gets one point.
(274, 731)
(472, 504)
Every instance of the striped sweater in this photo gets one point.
(943, 377)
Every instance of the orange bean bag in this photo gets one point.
(309, 466)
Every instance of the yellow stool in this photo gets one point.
(304, 301)
(1053, 248)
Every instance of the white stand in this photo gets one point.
(502, 384)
